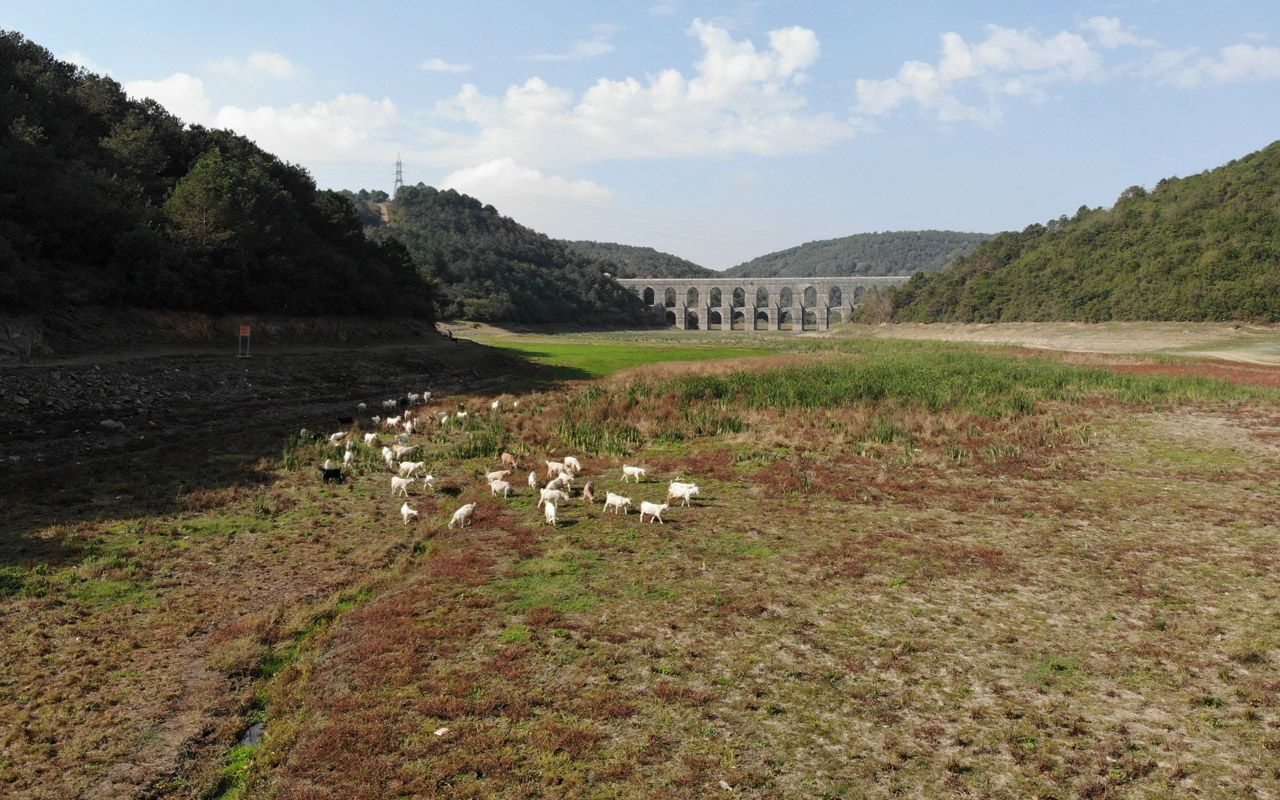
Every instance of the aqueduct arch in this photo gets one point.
(755, 303)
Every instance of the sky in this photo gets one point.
(717, 131)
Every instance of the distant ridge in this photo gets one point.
(888, 253)
(629, 261)
(1205, 247)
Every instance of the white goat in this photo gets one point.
(408, 512)
(442, 417)
(682, 491)
(400, 486)
(388, 455)
(389, 404)
(407, 468)
(495, 405)
(509, 460)
(304, 433)
(408, 426)
(402, 450)
(429, 482)
(551, 496)
(347, 457)
(550, 511)
(334, 438)
(500, 486)
(588, 492)
(461, 415)
(370, 439)
(361, 407)
(653, 510)
(562, 481)
(328, 464)
(632, 472)
(413, 398)
(533, 480)
(497, 475)
(617, 502)
(572, 463)
(462, 516)
(554, 468)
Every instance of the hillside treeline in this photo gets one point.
(629, 261)
(870, 254)
(489, 267)
(1206, 247)
(107, 200)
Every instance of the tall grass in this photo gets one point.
(944, 378)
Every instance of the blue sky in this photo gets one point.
(717, 131)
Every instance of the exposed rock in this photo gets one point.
(112, 425)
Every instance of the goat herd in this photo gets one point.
(560, 475)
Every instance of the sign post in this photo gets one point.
(242, 344)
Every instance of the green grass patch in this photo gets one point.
(554, 579)
(605, 359)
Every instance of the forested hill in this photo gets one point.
(889, 253)
(106, 200)
(629, 261)
(489, 267)
(1206, 247)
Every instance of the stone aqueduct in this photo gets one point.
(751, 304)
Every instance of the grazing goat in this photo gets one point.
(682, 491)
(388, 455)
(400, 485)
(408, 426)
(390, 404)
(500, 486)
(407, 468)
(402, 450)
(653, 510)
(495, 405)
(497, 475)
(509, 460)
(361, 407)
(414, 398)
(533, 480)
(562, 481)
(554, 468)
(429, 482)
(332, 475)
(550, 511)
(334, 438)
(572, 463)
(348, 457)
(551, 496)
(632, 472)
(370, 440)
(426, 397)
(587, 492)
(617, 502)
(408, 512)
(442, 417)
(462, 516)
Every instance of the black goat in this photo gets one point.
(333, 475)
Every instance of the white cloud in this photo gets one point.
(440, 65)
(741, 100)
(1007, 63)
(84, 62)
(505, 180)
(1111, 33)
(182, 94)
(1236, 63)
(598, 44)
(346, 127)
(257, 66)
